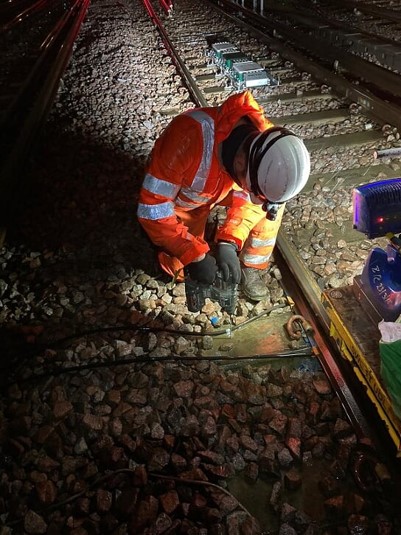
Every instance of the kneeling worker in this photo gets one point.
(229, 155)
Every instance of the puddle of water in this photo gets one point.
(255, 496)
(300, 364)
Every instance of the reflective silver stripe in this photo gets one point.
(242, 195)
(195, 196)
(160, 187)
(183, 204)
(155, 211)
(207, 125)
(256, 242)
(254, 259)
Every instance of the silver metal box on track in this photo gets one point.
(219, 48)
(250, 74)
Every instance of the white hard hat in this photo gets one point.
(278, 166)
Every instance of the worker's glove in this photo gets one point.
(228, 261)
(203, 271)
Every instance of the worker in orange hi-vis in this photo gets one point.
(229, 155)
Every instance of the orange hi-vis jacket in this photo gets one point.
(185, 180)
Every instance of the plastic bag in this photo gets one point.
(390, 362)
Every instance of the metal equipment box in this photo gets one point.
(229, 58)
(250, 74)
(219, 48)
(376, 207)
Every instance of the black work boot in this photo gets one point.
(253, 284)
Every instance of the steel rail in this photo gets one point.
(165, 5)
(380, 110)
(307, 295)
(181, 67)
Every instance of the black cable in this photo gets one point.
(142, 328)
(305, 352)
(146, 329)
(154, 329)
(131, 471)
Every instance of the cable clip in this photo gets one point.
(296, 325)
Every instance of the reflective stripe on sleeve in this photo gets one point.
(194, 199)
(186, 204)
(155, 211)
(160, 187)
(256, 242)
(207, 125)
(255, 259)
(242, 195)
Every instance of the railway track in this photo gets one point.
(335, 33)
(342, 140)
